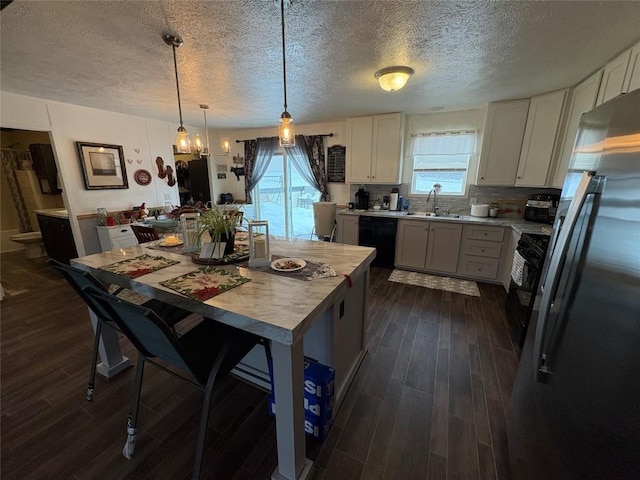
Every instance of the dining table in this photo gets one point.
(321, 316)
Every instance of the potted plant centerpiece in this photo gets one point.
(220, 223)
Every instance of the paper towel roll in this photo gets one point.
(517, 269)
(393, 201)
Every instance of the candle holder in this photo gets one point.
(189, 223)
(259, 253)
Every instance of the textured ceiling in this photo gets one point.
(110, 54)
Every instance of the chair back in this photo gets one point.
(324, 218)
(80, 280)
(145, 234)
(143, 327)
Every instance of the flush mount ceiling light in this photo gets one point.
(285, 132)
(183, 143)
(393, 78)
(204, 150)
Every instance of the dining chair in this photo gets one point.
(80, 279)
(324, 221)
(205, 353)
(145, 234)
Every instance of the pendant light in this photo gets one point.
(204, 149)
(286, 131)
(393, 78)
(183, 143)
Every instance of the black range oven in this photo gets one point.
(525, 278)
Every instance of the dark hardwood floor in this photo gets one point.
(428, 403)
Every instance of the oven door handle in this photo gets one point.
(542, 370)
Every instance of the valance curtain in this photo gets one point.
(257, 156)
(307, 156)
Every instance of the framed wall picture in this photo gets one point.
(103, 165)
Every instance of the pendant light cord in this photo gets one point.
(284, 57)
(175, 68)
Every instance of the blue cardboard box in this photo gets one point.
(319, 398)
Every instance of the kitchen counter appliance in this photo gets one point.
(362, 199)
(541, 208)
(380, 233)
(574, 410)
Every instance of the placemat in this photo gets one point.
(312, 271)
(205, 283)
(138, 266)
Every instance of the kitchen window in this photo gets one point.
(442, 157)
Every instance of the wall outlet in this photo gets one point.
(167, 196)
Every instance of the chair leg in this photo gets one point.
(130, 445)
(94, 359)
(204, 416)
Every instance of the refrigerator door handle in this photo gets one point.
(541, 370)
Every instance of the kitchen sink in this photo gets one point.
(436, 215)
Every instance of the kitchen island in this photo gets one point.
(323, 318)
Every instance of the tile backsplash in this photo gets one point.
(510, 200)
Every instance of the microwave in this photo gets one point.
(541, 208)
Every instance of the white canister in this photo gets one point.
(480, 210)
(393, 201)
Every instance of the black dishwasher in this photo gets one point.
(380, 233)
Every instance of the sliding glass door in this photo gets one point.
(285, 199)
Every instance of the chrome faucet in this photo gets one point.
(436, 188)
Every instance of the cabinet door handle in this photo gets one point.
(484, 233)
(124, 230)
(479, 269)
(519, 176)
(481, 178)
(482, 249)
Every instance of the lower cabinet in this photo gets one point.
(482, 252)
(347, 229)
(428, 245)
(58, 238)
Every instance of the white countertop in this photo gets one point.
(54, 212)
(517, 224)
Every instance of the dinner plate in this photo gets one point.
(176, 244)
(286, 264)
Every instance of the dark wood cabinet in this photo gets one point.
(199, 180)
(44, 165)
(58, 238)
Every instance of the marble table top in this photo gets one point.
(273, 306)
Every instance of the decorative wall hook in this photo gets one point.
(165, 172)
(129, 161)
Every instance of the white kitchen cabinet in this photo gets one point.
(120, 236)
(347, 229)
(502, 142)
(428, 245)
(632, 76)
(374, 148)
(583, 99)
(613, 78)
(483, 253)
(538, 145)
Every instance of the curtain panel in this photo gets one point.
(257, 156)
(307, 156)
(11, 161)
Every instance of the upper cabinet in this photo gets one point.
(543, 120)
(44, 165)
(621, 75)
(632, 77)
(583, 99)
(613, 78)
(374, 148)
(502, 141)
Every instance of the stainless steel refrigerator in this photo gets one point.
(575, 406)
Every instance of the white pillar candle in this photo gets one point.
(259, 248)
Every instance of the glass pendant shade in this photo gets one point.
(226, 145)
(198, 146)
(286, 131)
(393, 78)
(183, 143)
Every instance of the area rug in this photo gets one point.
(466, 287)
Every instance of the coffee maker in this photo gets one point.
(362, 199)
